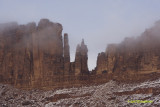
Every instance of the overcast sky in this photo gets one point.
(99, 22)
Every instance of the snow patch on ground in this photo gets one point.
(91, 96)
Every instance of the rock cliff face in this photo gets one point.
(47, 53)
(16, 62)
(37, 56)
(106, 60)
(101, 63)
(133, 56)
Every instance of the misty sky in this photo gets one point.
(99, 22)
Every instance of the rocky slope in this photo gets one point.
(111, 94)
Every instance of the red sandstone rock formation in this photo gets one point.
(66, 55)
(15, 56)
(81, 58)
(30, 55)
(134, 55)
(36, 57)
(47, 53)
(101, 63)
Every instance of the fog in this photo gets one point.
(149, 40)
(98, 22)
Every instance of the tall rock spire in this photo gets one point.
(82, 43)
(81, 59)
(78, 60)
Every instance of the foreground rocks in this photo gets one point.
(111, 94)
